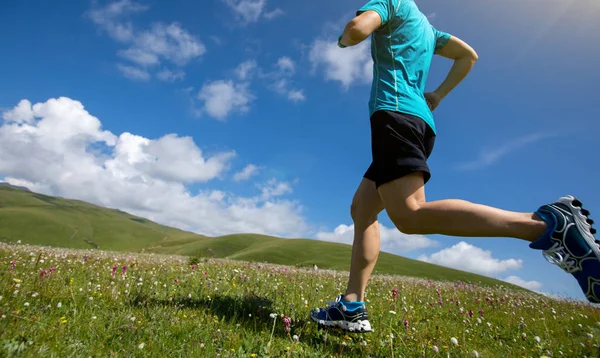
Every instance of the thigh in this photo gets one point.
(403, 196)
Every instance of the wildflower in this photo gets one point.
(393, 312)
(286, 323)
(537, 339)
(141, 346)
(475, 354)
(26, 304)
(405, 323)
(59, 305)
(454, 341)
(295, 338)
(435, 349)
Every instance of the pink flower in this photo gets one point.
(405, 323)
(286, 323)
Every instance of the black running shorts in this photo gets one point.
(401, 144)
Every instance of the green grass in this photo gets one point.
(164, 306)
(37, 219)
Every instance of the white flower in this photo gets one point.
(475, 354)
(59, 305)
(454, 340)
(393, 312)
(537, 339)
(295, 338)
(94, 317)
(26, 304)
(141, 346)
(436, 349)
(590, 336)
(273, 315)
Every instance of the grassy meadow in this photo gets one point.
(81, 303)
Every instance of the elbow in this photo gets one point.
(474, 56)
(468, 56)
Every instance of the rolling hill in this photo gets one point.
(38, 219)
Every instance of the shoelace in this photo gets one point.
(556, 255)
(333, 303)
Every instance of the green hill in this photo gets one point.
(38, 219)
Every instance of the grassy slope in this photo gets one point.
(44, 220)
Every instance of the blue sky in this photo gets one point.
(242, 115)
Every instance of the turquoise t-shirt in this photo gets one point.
(402, 50)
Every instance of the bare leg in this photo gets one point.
(366, 205)
(404, 201)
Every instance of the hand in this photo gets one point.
(433, 99)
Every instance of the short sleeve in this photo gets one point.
(441, 38)
(379, 6)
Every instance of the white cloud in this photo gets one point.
(246, 173)
(110, 18)
(296, 96)
(150, 47)
(251, 10)
(280, 79)
(133, 73)
(392, 240)
(273, 14)
(245, 69)
(530, 285)
(221, 98)
(347, 66)
(466, 257)
(170, 76)
(286, 65)
(274, 188)
(58, 148)
(490, 156)
(165, 42)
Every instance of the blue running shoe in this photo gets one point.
(570, 244)
(349, 316)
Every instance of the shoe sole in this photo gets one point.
(585, 230)
(357, 327)
(580, 222)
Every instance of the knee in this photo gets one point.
(408, 220)
(361, 216)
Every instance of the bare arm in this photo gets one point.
(464, 59)
(360, 28)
